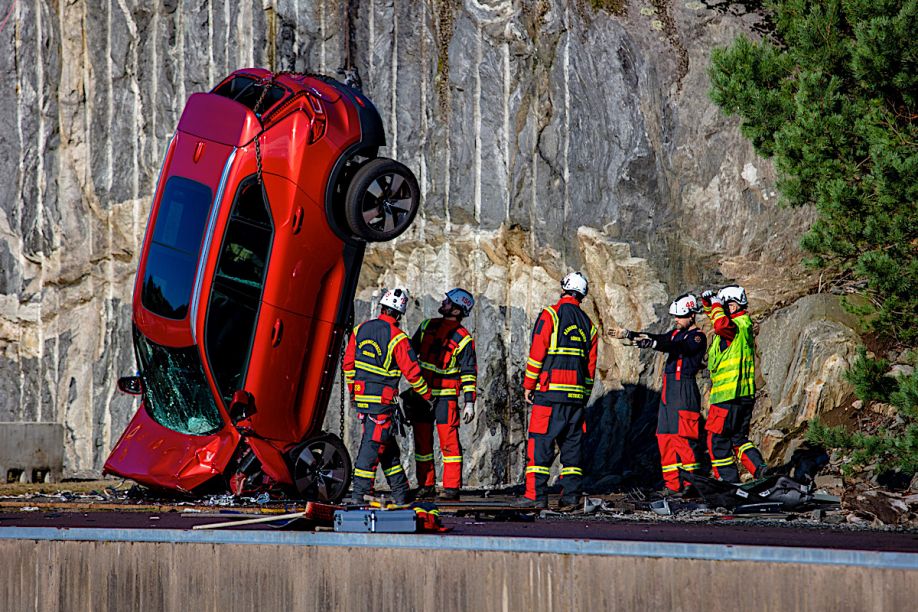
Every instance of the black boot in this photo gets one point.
(401, 498)
(356, 498)
(425, 492)
(449, 495)
(569, 503)
(535, 504)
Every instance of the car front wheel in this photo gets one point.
(382, 200)
(322, 468)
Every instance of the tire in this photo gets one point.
(322, 469)
(382, 200)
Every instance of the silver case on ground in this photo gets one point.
(376, 521)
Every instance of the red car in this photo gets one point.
(270, 188)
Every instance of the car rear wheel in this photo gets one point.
(382, 200)
(322, 470)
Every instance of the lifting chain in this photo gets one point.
(266, 83)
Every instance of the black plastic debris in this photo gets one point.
(770, 494)
(804, 464)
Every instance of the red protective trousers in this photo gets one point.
(446, 415)
(679, 428)
(676, 452)
(550, 425)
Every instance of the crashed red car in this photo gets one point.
(269, 191)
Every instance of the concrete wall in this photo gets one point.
(137, 576)
(31, 452)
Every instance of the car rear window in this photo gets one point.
(176, 393)
(247, 91)
(173, 254)
(232, 312)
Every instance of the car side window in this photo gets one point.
(173, 253)
(236, 292)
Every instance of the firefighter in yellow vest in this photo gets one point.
(731, 360)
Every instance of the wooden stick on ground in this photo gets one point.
(263, 519)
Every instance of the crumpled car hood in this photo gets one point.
(156, 456)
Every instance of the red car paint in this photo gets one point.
(307, 133)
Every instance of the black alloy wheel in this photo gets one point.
(382, 200)
(322, 469)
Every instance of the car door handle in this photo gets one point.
(276, 332)
(297, 222)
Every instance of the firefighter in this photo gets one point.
(446, 352)
(559, 378)
(679, 417)
(731, 360)
(378, 354)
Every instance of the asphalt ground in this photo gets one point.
(722, 530)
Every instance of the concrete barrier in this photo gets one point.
(100, 570)
(31, 452)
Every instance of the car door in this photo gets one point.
(306, 255)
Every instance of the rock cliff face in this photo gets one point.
(547, 136)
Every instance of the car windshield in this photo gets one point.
(173, 255)
(176, 392)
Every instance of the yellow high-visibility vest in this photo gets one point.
(733, 369)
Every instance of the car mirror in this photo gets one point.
(132, 385)
(242, 406)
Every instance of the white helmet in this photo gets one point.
(461, 298)
(396, 299)
(684, 305)
(732, 293)
(575, 281)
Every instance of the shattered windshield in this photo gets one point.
(176, 393)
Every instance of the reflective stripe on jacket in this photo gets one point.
(446, 353)
(562, 359)
(378, 354)
(732, 363)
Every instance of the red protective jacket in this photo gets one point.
(377, 355)
(446, 352)
(562, 358)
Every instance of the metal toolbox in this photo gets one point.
(376, 521)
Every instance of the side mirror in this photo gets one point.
(242, 406)
(132, 385)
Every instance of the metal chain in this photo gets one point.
(267, 83)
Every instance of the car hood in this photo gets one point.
(158, 457)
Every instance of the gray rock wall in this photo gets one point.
(546, 135)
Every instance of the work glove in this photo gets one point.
(623, 333)
(646, 343)
(468, 413)
(707, 297)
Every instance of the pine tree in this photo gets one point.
(833, 101)
(832, 98)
